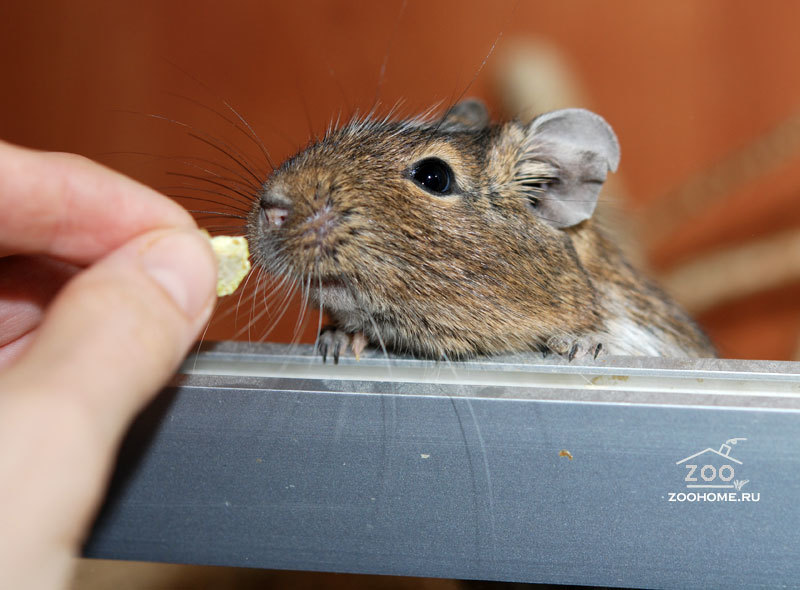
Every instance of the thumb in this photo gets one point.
(111, 338)
(118, 330)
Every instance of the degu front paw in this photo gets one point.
(337, 342)
(572, 348)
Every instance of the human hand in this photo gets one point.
(104, 285)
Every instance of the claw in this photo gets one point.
(597, 349)
(323, 348)
(336, 349)
(572, 352)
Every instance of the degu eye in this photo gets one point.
(434, 175)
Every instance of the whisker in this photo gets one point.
(284, 305)
(311, 133)
(382, 71)
(483, 63)
(218, 214)
(306, 291)
(200, 199)
(233, 308)
(253, 136)
(255, 300)
(192, 162)
(205, 331)
(223, 230)
(215, 143)
(237, 159)
(249, 134)
(247, 198)
(282, 311)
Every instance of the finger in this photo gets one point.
(110, 339)
(27, 285)
(13, 350)
(130, 318)
(70, 207)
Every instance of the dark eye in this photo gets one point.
(433, 175)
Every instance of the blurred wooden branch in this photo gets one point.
(743, 166)
(736, 272)
(534, 77)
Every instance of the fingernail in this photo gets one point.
(183, 264)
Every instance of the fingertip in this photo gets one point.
(183, 265)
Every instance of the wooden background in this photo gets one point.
(684, 84)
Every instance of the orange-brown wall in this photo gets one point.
(683, 83)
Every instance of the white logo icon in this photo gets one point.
(714, 469)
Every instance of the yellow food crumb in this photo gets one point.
(233, 258)
(565, 453)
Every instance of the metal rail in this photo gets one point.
(634, 472)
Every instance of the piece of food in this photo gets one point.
(233, 257)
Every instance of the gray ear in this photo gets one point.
(580, 147)
(468, 115)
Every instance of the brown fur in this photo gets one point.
(473, 272)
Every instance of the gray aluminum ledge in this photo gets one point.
(634, 472)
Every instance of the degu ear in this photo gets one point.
(580, 148)
(468, 115)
